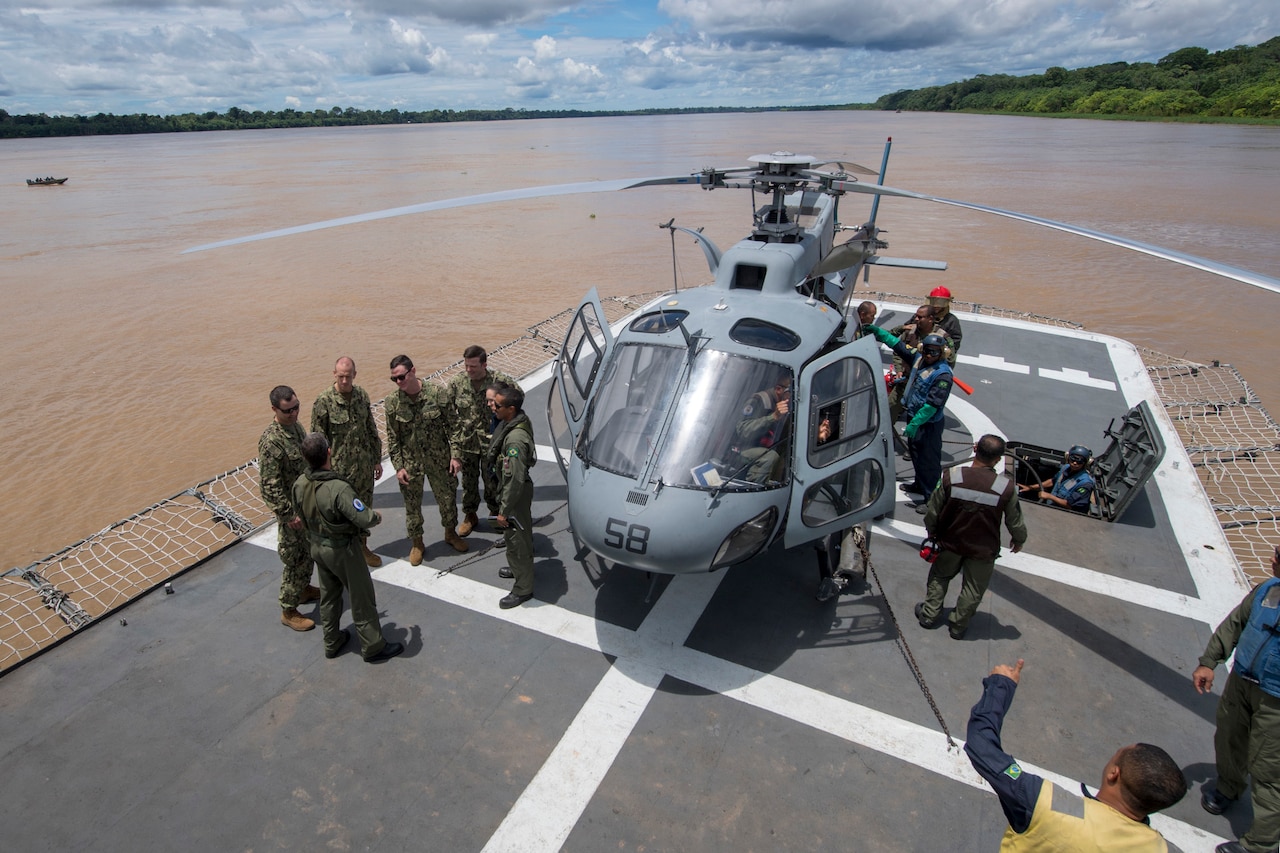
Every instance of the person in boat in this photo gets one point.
(923, 401)
(763, 427)
(336, 519)
(344, 414)
(946, 322)
(1139, 780)
(1248, 713)
(1071, 487)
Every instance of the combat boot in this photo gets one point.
(458, 543)
(371, 559)
(291, 618)
(310, 594)
(415, 553)
(468, 524)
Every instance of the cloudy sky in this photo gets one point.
(173, 56)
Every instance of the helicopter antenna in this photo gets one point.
(884, 168)
(675, 276)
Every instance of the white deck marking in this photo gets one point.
(1079, 577)
(1076, 377)
(545, 814)
(995, 362)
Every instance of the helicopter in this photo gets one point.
(723, 418)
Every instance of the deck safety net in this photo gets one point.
(1233, 442)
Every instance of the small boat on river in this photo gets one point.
(46, 182)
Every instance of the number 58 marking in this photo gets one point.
(632, 537)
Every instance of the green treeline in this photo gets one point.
(12, 126)
(1240, 83)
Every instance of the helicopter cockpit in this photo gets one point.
(715, 429)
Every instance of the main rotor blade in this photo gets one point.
(461, 201)
(1239, 274)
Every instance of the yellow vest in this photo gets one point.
(1063, 823)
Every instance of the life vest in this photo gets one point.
(1258, 649)
(921, 383)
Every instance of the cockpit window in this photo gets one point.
(658, 322)
(725, 423)
(760, 333)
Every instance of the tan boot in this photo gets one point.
(371, 559)
(468, 524)
(459, 544)
(415, 553)
(291, 618)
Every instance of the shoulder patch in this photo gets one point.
(513, 451)
(358, 504)
(1013, 771)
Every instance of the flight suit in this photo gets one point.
(335, 518)
(511, 455)
(280, 463)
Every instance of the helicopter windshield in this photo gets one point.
(724, 433)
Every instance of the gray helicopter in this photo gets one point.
(723, 418)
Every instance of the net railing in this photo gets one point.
(52, 598)
(1233, 442)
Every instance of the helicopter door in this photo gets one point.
(844, 453)
(585, 347)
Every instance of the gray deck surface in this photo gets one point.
(204, 724)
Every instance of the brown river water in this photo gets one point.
(133, 371)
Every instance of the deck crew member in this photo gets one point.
(923, 401)
(946, 322)
(510, 456)
(344, 415)
(472, 431)
(419, 426)
(280, 462)
(963, 517)
(1248, 734)
(920, 327)
(1137, 781)
(1072, 486)
(335, 517)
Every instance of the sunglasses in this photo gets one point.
(402, 377)
(292, 411)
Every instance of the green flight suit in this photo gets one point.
(335, 518)
(419, 430)
(471, 436)
(1246, 742)
(511, 455)
(280, 463)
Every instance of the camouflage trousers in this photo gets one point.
(472, 473)
(295, 553)
(445, 490)
(361, 480)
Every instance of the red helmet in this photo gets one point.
(940, 292)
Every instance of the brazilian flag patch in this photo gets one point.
(513, 451)
(1013, 771)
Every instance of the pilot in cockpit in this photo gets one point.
(763, 427)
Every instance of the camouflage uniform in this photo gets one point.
(353, 438)
(280, 463)
(510, 456)
(418, 431)
(471, 434)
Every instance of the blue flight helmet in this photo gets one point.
(934, 341)
(1080, 452)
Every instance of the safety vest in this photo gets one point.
(969, 522)
(1258, 649)
(1062, 823)
(921, 383)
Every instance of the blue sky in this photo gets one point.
(172, 56)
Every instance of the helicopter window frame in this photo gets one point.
(581, 354)
(659, 322)
(754, 332)
(828, 500)
(845, 391)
